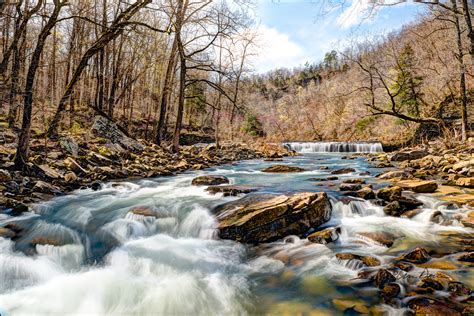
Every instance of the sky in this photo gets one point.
(293, 32)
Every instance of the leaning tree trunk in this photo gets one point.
(21, 157)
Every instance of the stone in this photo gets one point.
(343, 171)
(272, 218)
(107, 129)
(394, 174)
(391, 290)
(465, 182)
(6, 233)
(210, 180)
(439, 265)
(69, 145)
(282, 169)
(430, 282)
(417, 255)
(324, 179)
(401, 206)
(462, 165)
(350, 187)
(459, 289)
(43, 240)
(44, 187)
(393, 209)
(365, 193)
(49, 172)
(468, 221)
(382, 238)
(409, 155)
(230, 190)
(72, 165)
(358, 181)
(422, 305)
(467, 257)
(325, 236)
(389, 193)
(143, 211)
(383, 277)
(418, 186)
(5, 176)
(370, 261)
(70, 177)
(351, 306)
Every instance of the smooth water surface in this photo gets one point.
(109, 260)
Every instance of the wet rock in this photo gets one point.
(5, 176)
(350, 187)
(324, 168)
(6, 233)
(418, 186)
(409, 155)
(18, 209)
(391, 290)
(95, 186)
(417, 255)
(468, 221)
(210, 180)
(404, 266)
(430, 282)
(365, 193)
(465, 182)
(458, 289)
(390, 193)
(383, 277)
(69, 145)
(422, 305)
(324, 179)
(439, 265)
(370, 261)
(47, 240)
(383, 165)
(325, 236)
(273, 218)
(401, 206)
(282, 169)
(343, 171)
(467, 257)
(365, 173)
(107, 129)
(351, 306)
(382, 238)
(231, 190)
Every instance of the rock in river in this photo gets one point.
(343, 171)
(283, 169)
(230, 190)
(418, 186)
(266, 218)
(210, 180)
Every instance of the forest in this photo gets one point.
(150, 165)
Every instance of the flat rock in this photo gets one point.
(49, 172)
(231, 190)
(390, 193)
(325, 236)
(394, 174)
(382, 238)
(365, 193)
(418, 186)
(272, 218)
(282, 169)
(350, 187)
(359, 181)
(210, 180)
(431, 306)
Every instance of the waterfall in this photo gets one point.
(326, 147)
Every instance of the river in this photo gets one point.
(98, 257)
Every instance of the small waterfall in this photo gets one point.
(330, 147)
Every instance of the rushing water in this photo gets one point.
(109, 260)
(334, 147)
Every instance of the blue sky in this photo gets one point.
(293, 32)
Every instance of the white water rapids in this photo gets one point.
(114, 261)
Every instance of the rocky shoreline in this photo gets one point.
(105, 154)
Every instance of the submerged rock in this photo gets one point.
(382, 238)
(231, 190)
(429, 306)
(210, 180)
(271, 218)
(282, 169)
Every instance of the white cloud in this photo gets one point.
(363, 11)
(276, 49)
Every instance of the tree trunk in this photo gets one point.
(21, 157)
(182, 95)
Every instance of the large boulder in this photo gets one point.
(210, 180)
(107, 129)
(390, 193)
(266, 218)
(409, 155)
(69, 145)
(394, 174)
(283, 169)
